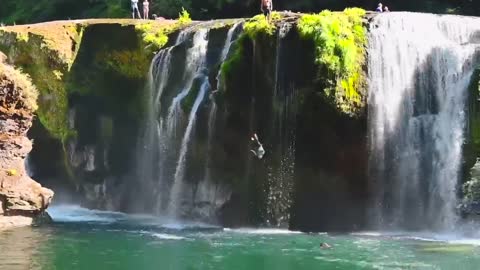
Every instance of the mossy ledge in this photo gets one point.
(339, 39)
(48, 51)
(70, 59)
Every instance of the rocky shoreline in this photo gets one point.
(21, 198)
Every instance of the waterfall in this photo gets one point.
(149, 144)
(175, 192)
(231, 37)
(158, 144)
(419, 68)
(28, 166)
(207, 188)
(195, 64)
(170, 145)
(281, 166)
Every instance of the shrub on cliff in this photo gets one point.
(22, 84)
(340, 40)
(156, 37)
(259, 24)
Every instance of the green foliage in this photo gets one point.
(471, 189)
(260, 24)
(22, 84)
(474, 124)
(230, 66)
(340, 40)
(154, 36)
(28, 11)
(184, 17)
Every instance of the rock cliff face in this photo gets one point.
(21, 198)
(93, 101)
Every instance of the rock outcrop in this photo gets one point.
(21, 198)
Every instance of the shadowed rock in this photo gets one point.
(21, 198)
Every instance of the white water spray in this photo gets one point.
(419, 68)
(175, 192)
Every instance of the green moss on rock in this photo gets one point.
(474, 90)
(259, 25)
(154, 37)
(232, 64)
(340, 40)
(471, 151)
(45, 63)
(132, 64)
(48, 52)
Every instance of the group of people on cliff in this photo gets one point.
(135, 10)
(266, 7)
(381, 8)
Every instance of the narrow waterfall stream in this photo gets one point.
(177, 187)
(419, 69)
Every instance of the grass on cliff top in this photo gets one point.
(259, 24)
(252, 28)
(22, 83)
(156, 36)
(340, 41)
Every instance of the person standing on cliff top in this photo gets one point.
(145, 9)
(135, 8)
(266, 7)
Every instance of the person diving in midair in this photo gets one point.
(259, 152)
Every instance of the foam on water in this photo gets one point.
(73, 213)
(77, 214)
(448, 238)
(261, 231)
(167, 236)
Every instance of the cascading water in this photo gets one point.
(207, 188)
(281, 166)
(158, 149)
(176, 191)
(176, 104)
(28, 166)
(168, 132)
(150, 143)
(419, 68)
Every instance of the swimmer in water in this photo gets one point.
(259, 152)
(325, 245)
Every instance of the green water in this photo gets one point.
(114, 241)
